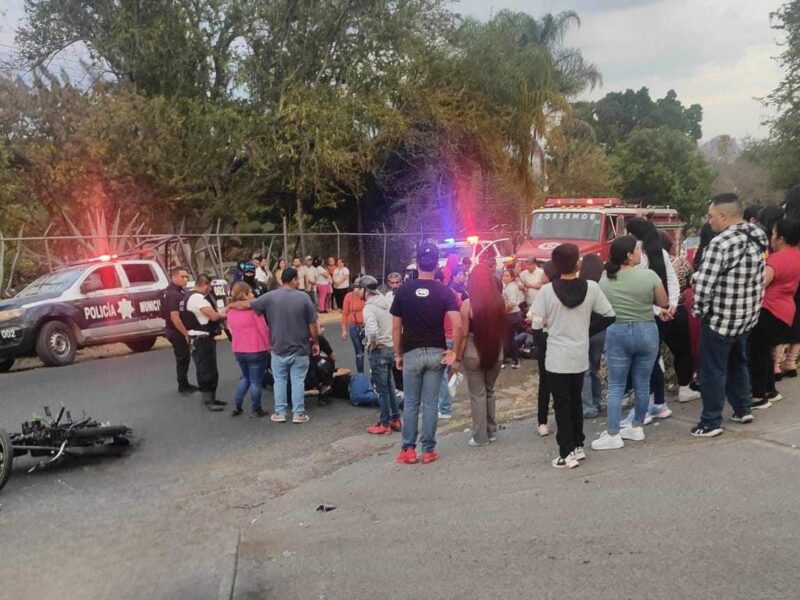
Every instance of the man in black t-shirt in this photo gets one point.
(175, 331)
(418, 311)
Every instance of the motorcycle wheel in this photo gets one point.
(6, 457)
(95, 433)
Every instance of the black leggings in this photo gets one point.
(763, 338)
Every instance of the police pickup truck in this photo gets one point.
(97, 302)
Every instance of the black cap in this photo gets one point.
(427, 256)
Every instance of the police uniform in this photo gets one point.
(173, 298)
(203, 348)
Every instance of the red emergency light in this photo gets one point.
(555, 202)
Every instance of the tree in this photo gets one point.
(618, 114)
(664, 167)
(783, 151)
(175, 48)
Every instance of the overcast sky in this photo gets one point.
(718, 53)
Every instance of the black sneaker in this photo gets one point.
(219, 403)
(760, 404)
(703, 431)
(259, 412)
(190, 389)
(744, 419)
(236, 411)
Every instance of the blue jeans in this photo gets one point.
(381, 362)
(445, 401)
(591, 379)
(630, 348)
(294, 366)
(358, 347)
(252, 365)
(723, 373)
(422, 376)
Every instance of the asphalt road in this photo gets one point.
(181, 473)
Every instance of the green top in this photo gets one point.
(632, 294)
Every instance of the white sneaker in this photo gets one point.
(492, 438)
(543, 430)
(472, 442)
(687, 394)
(579, 453)
(635, 434)
(660, 411)
(445, 417)
(628, 421)
(608, 442)
(565, 463)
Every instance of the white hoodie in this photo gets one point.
(378, 321)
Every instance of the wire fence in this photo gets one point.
(24, 258)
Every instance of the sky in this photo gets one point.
(718, 53)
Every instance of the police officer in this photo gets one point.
(202, 323)
(249, 270)
(175, 331)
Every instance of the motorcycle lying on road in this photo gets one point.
(59, 438)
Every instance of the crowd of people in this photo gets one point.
(729, 320)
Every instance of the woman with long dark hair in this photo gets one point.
(655, 258)
(480, 349)
(632, 341)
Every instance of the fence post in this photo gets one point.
(16, 257)
(285, 240)
(383, 271)
(2, 259)
(338, 242)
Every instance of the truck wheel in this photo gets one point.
(6, 364)
(56, 344)
(142, 345)
(6, 457)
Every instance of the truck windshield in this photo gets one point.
(52, 283)
(566, 225)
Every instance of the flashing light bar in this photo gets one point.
(473, 239)
(554, 202)
(105, 258)
(449, 241)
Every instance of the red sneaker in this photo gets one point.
(429, 457)
(396, 425)
(407, 457)
(379, 429)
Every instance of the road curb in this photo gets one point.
(231, 561)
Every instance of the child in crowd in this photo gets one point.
(565, 307)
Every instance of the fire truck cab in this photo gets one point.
(590, 223)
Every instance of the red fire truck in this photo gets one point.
(590, 223)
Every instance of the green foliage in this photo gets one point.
(618, 114)
(664, 167)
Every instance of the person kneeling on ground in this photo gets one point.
(378, 331)
(566, 307)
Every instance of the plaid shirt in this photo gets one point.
(730, 283)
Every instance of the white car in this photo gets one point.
(474, 248)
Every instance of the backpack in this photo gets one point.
(361, 391)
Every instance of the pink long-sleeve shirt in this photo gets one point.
(249, 331)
